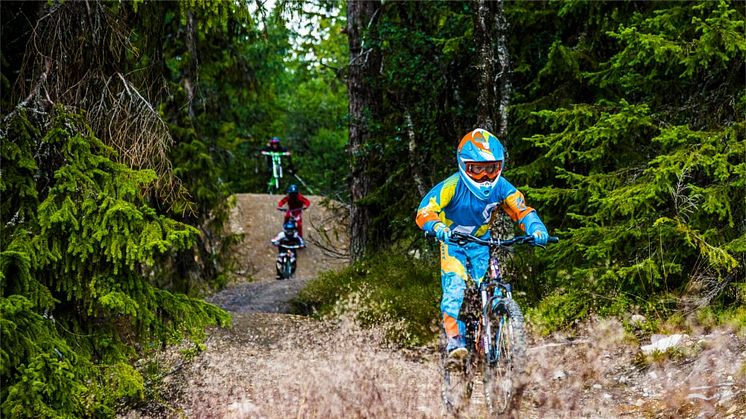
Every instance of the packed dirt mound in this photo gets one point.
(256, 217)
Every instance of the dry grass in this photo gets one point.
(600, 375)
(279, 366)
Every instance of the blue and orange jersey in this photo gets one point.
(451, 203)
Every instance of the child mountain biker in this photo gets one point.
(287, 237)
(464, 202)
(297, 203)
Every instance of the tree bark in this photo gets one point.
(495, 87)
(364, 104)
(190, 79)
(503, 76)
(484, 30)
(412, 146)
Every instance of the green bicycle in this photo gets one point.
(273, 185)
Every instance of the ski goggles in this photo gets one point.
(482, 171)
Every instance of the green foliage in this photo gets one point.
(625, 133)
(78, 273)
(643, 179)
(389, 289)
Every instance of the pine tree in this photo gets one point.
(82, 250)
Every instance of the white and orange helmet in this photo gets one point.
(480, 161)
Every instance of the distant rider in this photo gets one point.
(287, 237)
(274, 146)
(297, 203)
(464, 202)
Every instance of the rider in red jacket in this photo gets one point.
(296, 203)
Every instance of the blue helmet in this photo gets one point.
(289, 228)
(293, 189)
(480, 161)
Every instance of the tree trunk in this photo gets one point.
(494, 88)
(503, 76)
(413, 160)
(190, 79)
(364, 107)
(494, 66)
(484, 31)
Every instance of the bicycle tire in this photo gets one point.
(503, 368)
(287, 269)
(458, 381)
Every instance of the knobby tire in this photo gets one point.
(287, 268)
(503, 376)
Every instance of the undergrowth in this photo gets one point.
(398, 291)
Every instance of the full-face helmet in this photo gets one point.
(289, 228)
(293, 189)
(480, 161)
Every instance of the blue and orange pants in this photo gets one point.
(453, 275)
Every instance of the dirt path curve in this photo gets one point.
(256, 218)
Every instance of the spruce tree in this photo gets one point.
(644, 169)
(82, 250)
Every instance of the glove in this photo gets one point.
(442, 232)
(275, 242)
(540, 237)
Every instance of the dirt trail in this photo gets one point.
(256, 218)
(277, 365)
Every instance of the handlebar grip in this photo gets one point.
(553, 239)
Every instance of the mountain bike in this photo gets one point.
(273, 185)
(286, 260)
(495, 336)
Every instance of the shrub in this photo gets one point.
(387, 288)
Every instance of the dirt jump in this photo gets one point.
(271, 364)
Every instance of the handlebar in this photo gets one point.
(301, 209)
(275, 153)
(462, 239)
(290, 246)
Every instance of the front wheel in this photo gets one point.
(504, 364)
(457, 382)
(287, 268)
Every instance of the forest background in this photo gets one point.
(127, 126)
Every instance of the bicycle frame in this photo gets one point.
(274, 181)
(488, 306)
